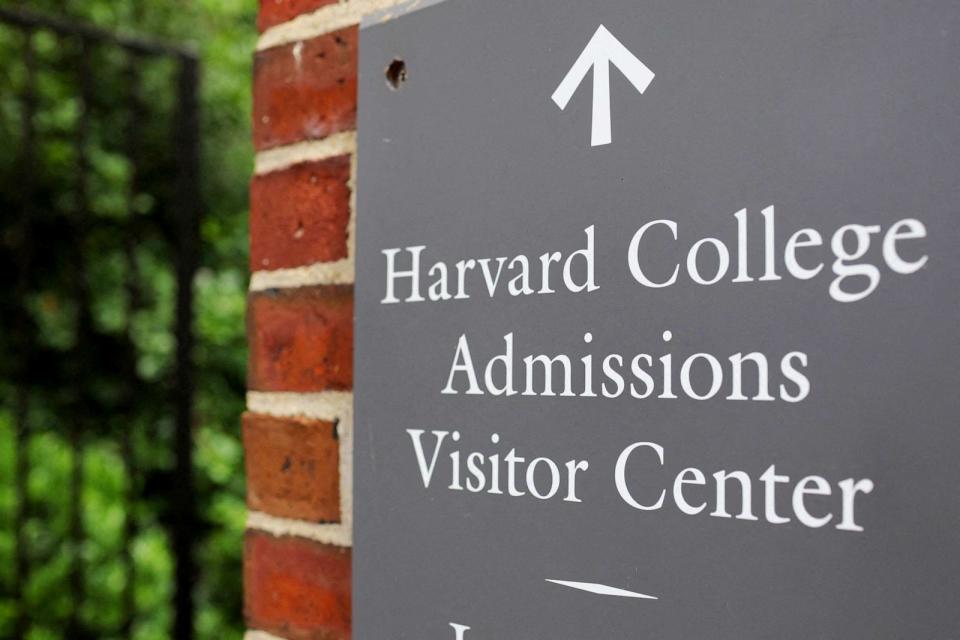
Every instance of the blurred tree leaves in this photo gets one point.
(117, 383)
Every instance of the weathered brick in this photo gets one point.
(273, 12)
(299, 215)
(301, 339)
(306, 90)
(296, 588)
(292, 467)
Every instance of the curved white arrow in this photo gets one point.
(602, 49)
(602, 589)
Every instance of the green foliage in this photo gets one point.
(101, 267)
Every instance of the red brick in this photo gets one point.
(306, 90)
(299, 215)
(296, 588)
(292, 467)
(301, 339)
(273, 12)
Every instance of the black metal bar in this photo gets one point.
(21, 410)
(128, 608)
(75, 577)
(21, 469)
(187, 136)
(187, 213)
(32, 20)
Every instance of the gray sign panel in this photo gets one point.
(729, 231)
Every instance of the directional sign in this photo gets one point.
(691, 376)
(602, 50)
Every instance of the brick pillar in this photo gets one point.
(298, 429)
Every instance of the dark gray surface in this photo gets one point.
(834, 112)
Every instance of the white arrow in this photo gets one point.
(602, 589)
(602, 49)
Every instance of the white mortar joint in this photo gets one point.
(327, 19)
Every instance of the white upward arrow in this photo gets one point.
(602, 49)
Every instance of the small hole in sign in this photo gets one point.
(396, 73)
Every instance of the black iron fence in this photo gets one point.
(99, 209)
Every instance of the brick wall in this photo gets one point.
(298, 429)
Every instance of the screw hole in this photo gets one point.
(396, 73)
